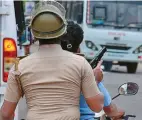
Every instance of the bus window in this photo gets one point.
(109, 13)
(100, 12)
(73, 8)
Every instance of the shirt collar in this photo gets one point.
(50, 49)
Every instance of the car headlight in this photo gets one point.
(91, 45)
(138, 50)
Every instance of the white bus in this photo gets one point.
(117, 25)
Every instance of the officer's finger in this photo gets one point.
(99, 64)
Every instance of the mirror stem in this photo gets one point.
(116, 96)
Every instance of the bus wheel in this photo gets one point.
(132, 67)
(107, 65)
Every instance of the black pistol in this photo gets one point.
(97, 58)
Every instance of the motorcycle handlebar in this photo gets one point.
(126, 117)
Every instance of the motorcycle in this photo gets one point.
(126, 89)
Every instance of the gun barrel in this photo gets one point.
(98, 57)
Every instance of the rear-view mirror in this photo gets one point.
(129, 88)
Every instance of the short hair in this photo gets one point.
(74, 37)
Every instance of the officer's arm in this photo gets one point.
(109, 108)
(95, 103)
(7, 110)
(11, 97)
(93, 96)
(113, 111)
(107, 97)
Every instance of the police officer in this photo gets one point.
(71, 42)
(51, 78)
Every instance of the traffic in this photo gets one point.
(107, 33)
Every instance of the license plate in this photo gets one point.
(115, 55)
(115, 62)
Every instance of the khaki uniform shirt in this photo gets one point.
(52, 80)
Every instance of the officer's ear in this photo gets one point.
(78, 50)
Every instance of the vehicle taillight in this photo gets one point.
(9, 55)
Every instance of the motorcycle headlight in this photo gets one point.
(91, 45)
(138, 50)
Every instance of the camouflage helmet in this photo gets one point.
(48, 20)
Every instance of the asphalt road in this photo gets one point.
(131, 104)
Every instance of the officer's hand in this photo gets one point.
(98, 73)
(119, 115)
(114, 112)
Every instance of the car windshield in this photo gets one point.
(120, 14)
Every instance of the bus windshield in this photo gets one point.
(115, 13)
